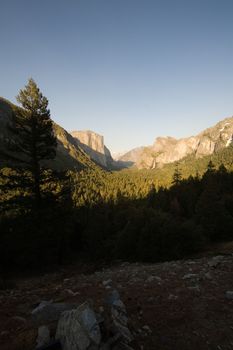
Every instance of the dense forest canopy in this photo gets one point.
(121, 215)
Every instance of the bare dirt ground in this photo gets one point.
(172, 305)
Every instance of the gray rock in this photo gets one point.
(118, 312)
(78, 329)
(120, 320)
(147, 329)
(151, 299)
(208, 276)
(189, 276)
(229, 294)
(172, 297)
(153, 278)
(215, 261)
(42, 304)
(71, 293)
(123, 331)
(43, 336)
(47, 311)
(113, 297)
(90, 323)
(107, 282)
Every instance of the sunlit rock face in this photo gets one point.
(168, 149)
(93, 144)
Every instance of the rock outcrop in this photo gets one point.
(168, 149)
(68, 326)
(78, 329)
(93, 144)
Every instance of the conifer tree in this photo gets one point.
(176, 178)
(210, 167)
(34, 140)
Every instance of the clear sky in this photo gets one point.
(130, 70)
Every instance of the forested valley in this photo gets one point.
(50, 217)
(128, 215)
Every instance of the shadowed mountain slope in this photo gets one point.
(69, 154)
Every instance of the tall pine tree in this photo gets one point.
(34, 140)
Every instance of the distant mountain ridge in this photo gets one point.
(168, 149)
(81, 149)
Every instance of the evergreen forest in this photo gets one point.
(50, 217)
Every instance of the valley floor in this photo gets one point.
(172, 305)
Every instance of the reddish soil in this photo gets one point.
(183, 304)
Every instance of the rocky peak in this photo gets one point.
(93, 144)
(90, 139)
(169, 149)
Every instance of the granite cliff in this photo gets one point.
(93, 144)
(168, 149)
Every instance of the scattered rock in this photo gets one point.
(152, 279)
(101, 309)
(229, 294)
(78, 329)
(66, 280)
(215, 261)
(151, 299)
(41, 305)
(71, 293)
(43, 336)
(119, 317)
(208, 276)
(123, 331)
(189, 276)
(119, 312)
(147, 329)
(107, 282)
(114, 296)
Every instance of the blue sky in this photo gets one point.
(130, 70)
